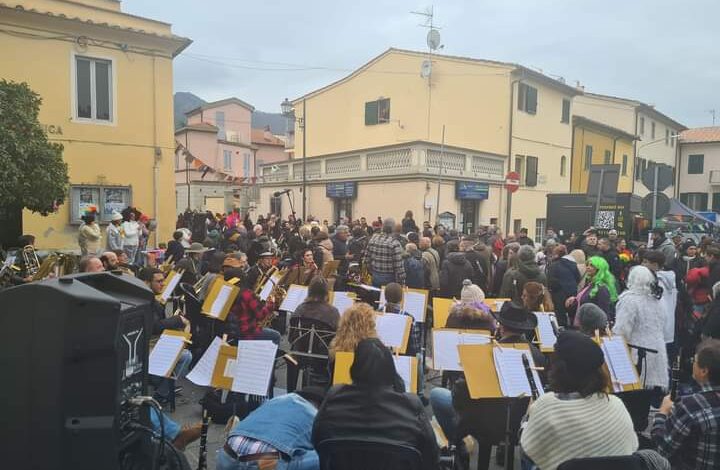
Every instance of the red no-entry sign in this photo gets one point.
(512, 181)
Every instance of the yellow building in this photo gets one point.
(407, 131)
(105, 78)
(595, 143)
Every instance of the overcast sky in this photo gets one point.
(658, 51)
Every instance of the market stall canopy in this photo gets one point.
(682, 213)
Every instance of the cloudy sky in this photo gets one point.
(658, 51)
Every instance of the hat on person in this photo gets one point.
(581, 354)
(688, 244)
(196, 247)
(516, 317)
(471, 293)
(265, 254)
(592, 317)
(116, 216)
(612, 231)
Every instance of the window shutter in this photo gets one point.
(522, 91)
(532, 95)
(532, 171)
(371, 113)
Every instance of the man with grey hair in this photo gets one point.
(384, 256)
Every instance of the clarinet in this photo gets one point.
(202, 454)
(675, 378)
(531, 380)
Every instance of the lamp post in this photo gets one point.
(289, 111)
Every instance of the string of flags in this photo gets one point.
(219, 174)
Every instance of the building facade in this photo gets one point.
(432, 134)
(105, 78)
(699, 169)
(657, 134)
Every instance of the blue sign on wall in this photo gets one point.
(341, 190)
(471, 190)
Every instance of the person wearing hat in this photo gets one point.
(261, 266)
(471, 304)
(667, 247)
(578, 418)
(114, 233)
(526, 270)
(192, 264)
(690, 258)
(515, 323)
(276, 435)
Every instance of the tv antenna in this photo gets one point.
(433, 35)
(713, 113)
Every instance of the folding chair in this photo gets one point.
(349, 454)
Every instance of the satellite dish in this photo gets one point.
(274, 169)
(426, 69)
(433, 39)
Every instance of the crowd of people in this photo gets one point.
(662, 297)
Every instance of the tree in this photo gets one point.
(33, 174)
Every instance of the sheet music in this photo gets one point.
(498, 305)
(170, 288)
(445, 347)
(254, 366)
(220, 301)
(164, 355)
(618, 359)
(546, 333)
(295, 296)
(391, 329)
(511, 373)
(267, 288)
(404, 368)
(342, 301)
(203, 370)
(414, 304)
(369, 288)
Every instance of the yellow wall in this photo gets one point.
(600, 143)
(469, 98)
(121, 153)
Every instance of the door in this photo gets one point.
(468, 212)
(343, 208)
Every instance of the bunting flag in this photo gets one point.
(220, 175)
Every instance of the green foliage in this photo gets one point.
(33, 174)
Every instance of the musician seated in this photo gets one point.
(356, 324)
(276, 435)
(154, 278)
(393, 304)
(578, 419)
(316, 306)
(22, 276)
(90, 264)
(471, 299)
(124, 263)
(110, 261)
(688, 432)
(179, 436)
(264, 262)
(592, 318)
(303, 272)
(248, 313)
(376, 407)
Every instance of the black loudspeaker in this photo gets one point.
(73, 350)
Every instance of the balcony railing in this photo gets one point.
(418, 159)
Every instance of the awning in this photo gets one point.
(682, 213)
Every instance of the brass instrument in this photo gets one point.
(263, 278)
(365, 276)
(277, 294)
(56, 264)
(32, 262)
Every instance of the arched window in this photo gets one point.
(563, 164)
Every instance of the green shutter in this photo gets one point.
(371, 113)
(531, 172)
(532, 95)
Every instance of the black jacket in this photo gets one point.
(320, 311)
(382, 414)
(514, 279)
(454, 270)
(176, 250)
(161, 323)
(613, 260)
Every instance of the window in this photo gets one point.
(246, 164)
(93, 89)
(276, 205)
(695, 201)
(227, 159)
(565, 111)
(624, 165)
(520, 166)
(517, 225)
(673, 136)
(696, 164)
(493, 220)
(220, 124)
(563, 164)
(540, 229)
(652, 130)
(667, 136)
(102, 200)
(608, 157)
(588, 156)
(527, 98)
(377, 112)
(642, 126)
(716, 202)
(531, 171)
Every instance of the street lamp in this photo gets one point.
(288, 110)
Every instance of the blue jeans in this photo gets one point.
(164, 384)
(308, 461)
(381, 279)
(172, 429)
(442, 407)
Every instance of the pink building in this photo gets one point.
(270, 148)
(215, 156)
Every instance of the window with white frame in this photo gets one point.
(540, 225)
(220, 124)
(93, 89)
(247, 158)
(227, 159)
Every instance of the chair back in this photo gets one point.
(625, 462)
(348, 454)
(309, 339)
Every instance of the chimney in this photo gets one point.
(267, 135)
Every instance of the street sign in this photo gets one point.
(512, 181)
(662, 206)
(664, 177)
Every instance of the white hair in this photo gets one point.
(640, 280)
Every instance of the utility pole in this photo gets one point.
(440, 164)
